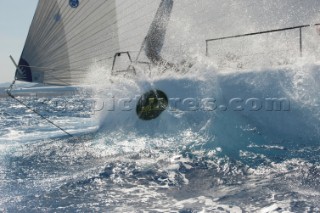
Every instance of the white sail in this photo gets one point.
(63, 39)
(67, 36)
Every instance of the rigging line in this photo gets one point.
(9, 92)
(37, 113)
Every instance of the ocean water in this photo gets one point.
(193, 158)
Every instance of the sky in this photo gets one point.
(15, 20)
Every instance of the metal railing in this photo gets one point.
(264, 32)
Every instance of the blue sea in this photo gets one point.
(186, 161)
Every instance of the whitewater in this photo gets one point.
(218, 147)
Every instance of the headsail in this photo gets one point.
(64, 39)
(67, 36)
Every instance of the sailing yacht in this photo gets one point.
(67, 36)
